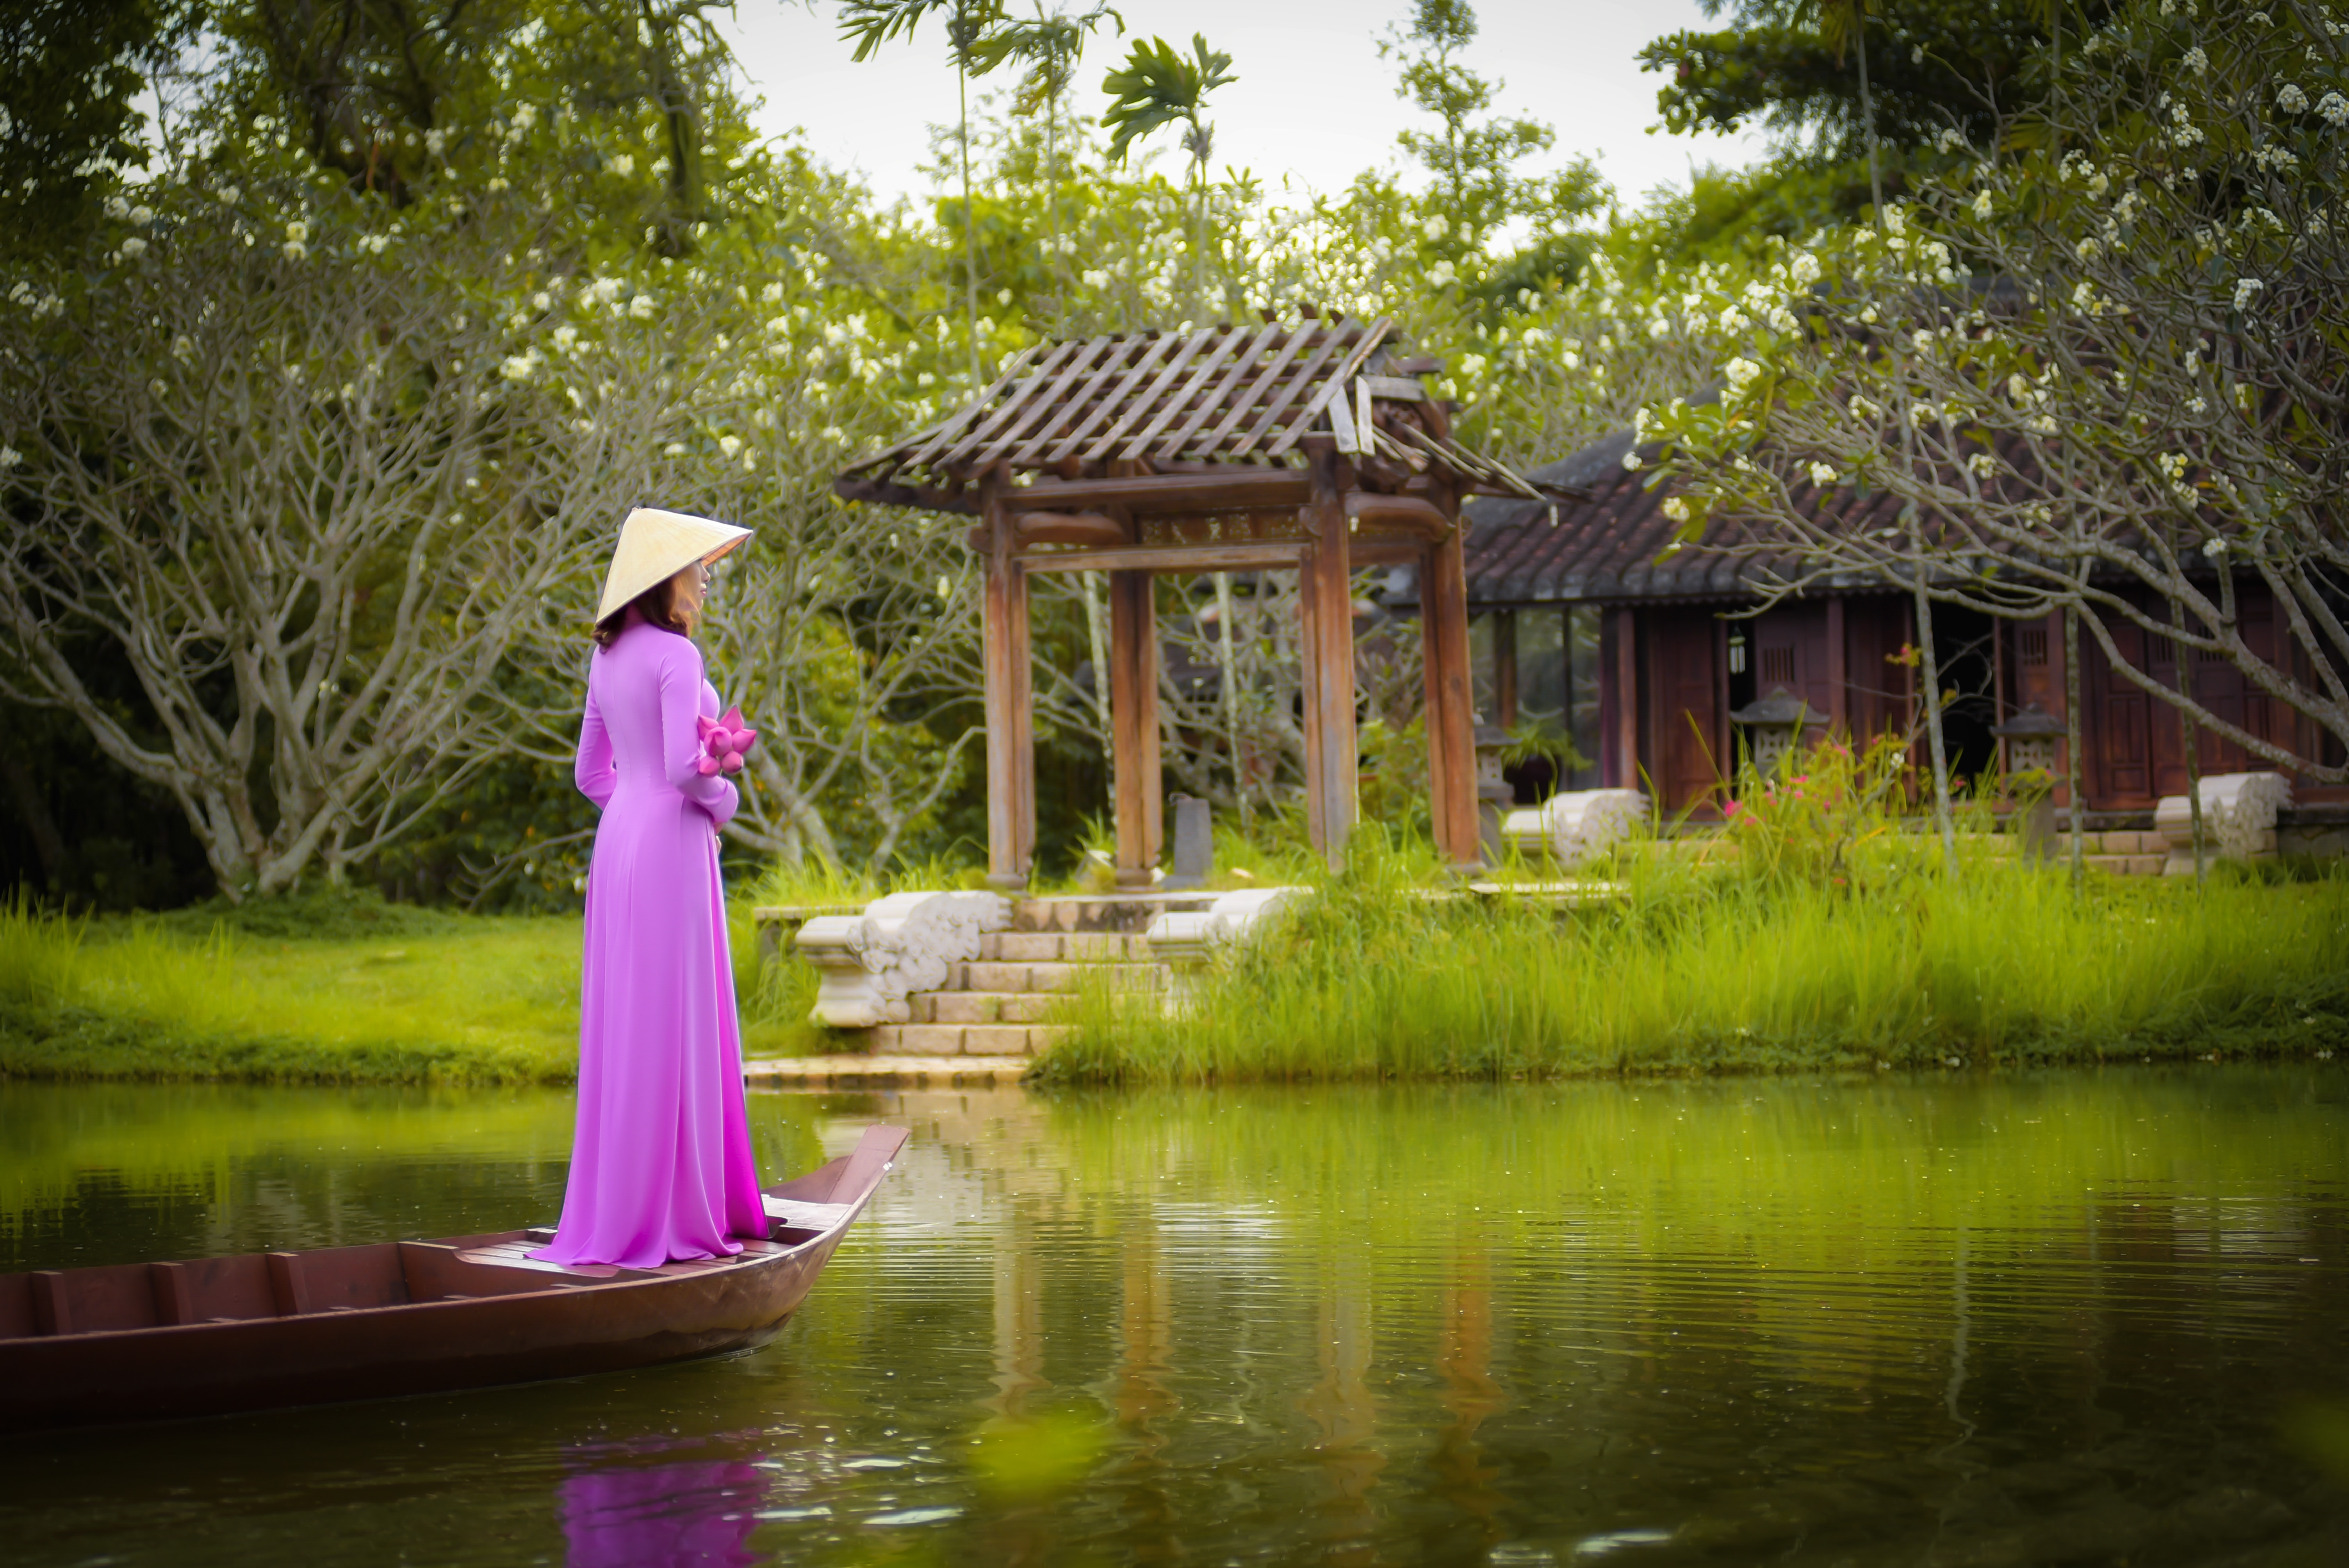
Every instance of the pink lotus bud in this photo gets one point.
(733, 763)
(706, 766)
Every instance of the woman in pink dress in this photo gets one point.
(661, 1169)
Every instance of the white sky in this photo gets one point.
(1313, 101)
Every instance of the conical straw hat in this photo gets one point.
(656, 546)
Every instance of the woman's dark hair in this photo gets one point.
(658, 606)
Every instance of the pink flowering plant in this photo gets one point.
(1807, 819)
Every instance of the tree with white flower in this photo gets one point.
(2091, 375)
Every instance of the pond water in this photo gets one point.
(2075, 1317)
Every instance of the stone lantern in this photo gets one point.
(1776, 720)
(1495, 794)
(2031, 738)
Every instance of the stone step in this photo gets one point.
(1114, 913)
(983, 976)
(1062, 947)
(962, 1039)
(988, 1006)
(2126, 865)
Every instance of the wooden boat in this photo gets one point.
(143, 1341)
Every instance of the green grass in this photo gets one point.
(326, 988)
(1699, 970)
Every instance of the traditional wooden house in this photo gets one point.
(1653, 654)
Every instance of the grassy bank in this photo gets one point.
(1708, 970)
(327, 989)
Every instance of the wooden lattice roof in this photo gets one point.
(1221, 396)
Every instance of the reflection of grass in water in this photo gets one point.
(194, 1137)
(1698, 971)
(439, 998)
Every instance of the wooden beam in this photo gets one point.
(1235, 491)
(1451, 701)
(1407, 514)
(1133, 723)
(1004, 616)
(1090, 528)
(1274, 554)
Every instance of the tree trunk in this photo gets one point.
(2189, 730)
(1231, 683)
(1930, 668)
(1867, 107)
(1097, 644)
(2076, 808)
(969, 212)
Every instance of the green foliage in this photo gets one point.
(1157, 87)
(1473, 158)
(1932, 66)
(74, 69)
(1703, 969)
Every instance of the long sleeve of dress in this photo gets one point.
(680, 704)
(592, 769)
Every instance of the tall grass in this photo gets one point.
(1699, 969)
(460, 1000)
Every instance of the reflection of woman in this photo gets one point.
(661, 1168)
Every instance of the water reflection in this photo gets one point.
(661, 1516)
(1951, 1321)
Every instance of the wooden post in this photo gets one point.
(1133, 722)
(1838, 670)
(1451, 696)
(1626, 699)
(1505, 668)
(1327, 592)
(1011, 745)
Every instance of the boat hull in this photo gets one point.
(463, 1312)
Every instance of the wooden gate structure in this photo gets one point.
(1306, 447)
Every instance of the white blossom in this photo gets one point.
(641, 307)
(133, 248)
(2214, 548)
(2197, 61)
(1982, 203)
(2290, 100)
(2334, 108)
(1742, 371)
(10, 457)
(2246, 291)
(1823, 475)
(1676, 509)
(730, 445)
(1438, 226)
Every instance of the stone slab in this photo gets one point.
(996, 1040)
(1022, 946)
(984, 975)
(893, 1071)
(966, 1006)
(1130, 914)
